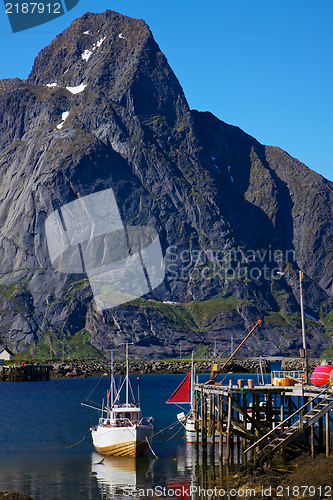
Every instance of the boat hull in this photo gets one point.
(122, 441)
(190, 434)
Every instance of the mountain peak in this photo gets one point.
(103, 110)
(113, 54)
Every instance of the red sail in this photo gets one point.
(182, 393)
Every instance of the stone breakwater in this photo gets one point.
(98, 368)
(298, 364)
(90, 368)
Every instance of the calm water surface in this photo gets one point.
(40, 421)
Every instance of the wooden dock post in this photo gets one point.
(282, 410)
(220, 424)
(204, 435)
(312, 435)
(321, 432)
(221, 401)
(244, 408)
(212, 428)
(327, 434)
(196, 418)
(204, 421)
(227, 456)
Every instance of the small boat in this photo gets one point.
(184, 395)
(322, 375)
(121, 429)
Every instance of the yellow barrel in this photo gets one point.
(287, 381)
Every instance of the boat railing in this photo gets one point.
(293, 374)
(118, 422)
(124, 422)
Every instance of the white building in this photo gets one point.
(6, 354)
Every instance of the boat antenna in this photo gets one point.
(111, 381)
(127, 376)
(192, 381)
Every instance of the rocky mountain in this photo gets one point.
(102, 109)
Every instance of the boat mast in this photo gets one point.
(306, 377)
(126, 374)
(111, 381)
(192, 382)
(261, 371)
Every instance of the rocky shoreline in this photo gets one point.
(89, 368)
(97, 368)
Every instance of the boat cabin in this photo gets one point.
(123, 415)
(132, 413)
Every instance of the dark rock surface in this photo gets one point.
(13, 495)
(230, 212)
(98, 368)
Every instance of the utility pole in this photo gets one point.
(306, 374)
(214, 354)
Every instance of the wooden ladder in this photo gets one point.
(273, 442)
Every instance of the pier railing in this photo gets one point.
(293, 374)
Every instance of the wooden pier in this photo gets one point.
(25, 373)
(258, 422)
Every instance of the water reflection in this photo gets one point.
(121, 477)
(190, 475)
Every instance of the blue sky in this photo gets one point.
(263, 65)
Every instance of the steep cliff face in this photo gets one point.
(102, 109)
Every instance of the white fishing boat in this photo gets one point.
(121, 429)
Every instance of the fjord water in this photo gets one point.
(40, 421)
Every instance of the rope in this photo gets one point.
(92, 390)
(72, 445)
(151, 449)
(180, 428)
(169, 427)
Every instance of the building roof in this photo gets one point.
(2, 349)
